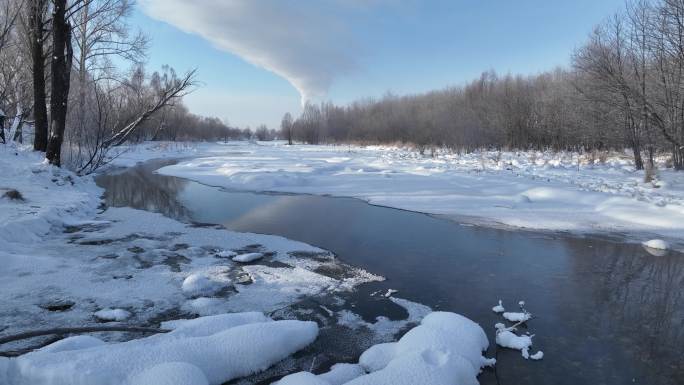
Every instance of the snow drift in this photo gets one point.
(205, 350)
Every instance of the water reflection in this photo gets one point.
(142, 189)
(608, 312)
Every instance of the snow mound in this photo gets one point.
(72, 343)
(221, 348)
(200, 284)
(342, 373)
(109, 315)
(249, 257)
(657, 244)
(446, 348)
(171, 373)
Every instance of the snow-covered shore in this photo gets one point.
(533, 190)
(66, 263)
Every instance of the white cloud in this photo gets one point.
(305, 42)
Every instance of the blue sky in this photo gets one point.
(258, 59)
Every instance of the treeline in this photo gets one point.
(59, 80)
(625, 89)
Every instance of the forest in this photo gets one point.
(73, 77)
(624, 90)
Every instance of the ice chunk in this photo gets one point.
(537, 356)
(249, 257)
(226, 254)
(507, 339)
(499, 308)
(517, 317)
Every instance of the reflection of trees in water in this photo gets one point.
(140, 188)
(641, 297)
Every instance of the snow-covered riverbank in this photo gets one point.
(534, 190)
(66, 263)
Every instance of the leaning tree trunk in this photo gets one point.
(38, 73)
(61, 80)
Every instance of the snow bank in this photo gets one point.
(209, 350)
(70, 197)
(446, 348)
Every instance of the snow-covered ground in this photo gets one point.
(67, 263)
(535, 190)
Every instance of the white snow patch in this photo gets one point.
(200, 284)
(220, 348)
(171, 373)
(507, 339)
(499, 308)
(657, 244)
(226, 254)
(517, 317)
(113, 315)
(72, 343)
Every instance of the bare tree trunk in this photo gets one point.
(36, 10)
(2, 127)
(61, 70)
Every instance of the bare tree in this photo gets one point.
(113, 132)
(286, 127)
(62, 56)
(37, 10)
